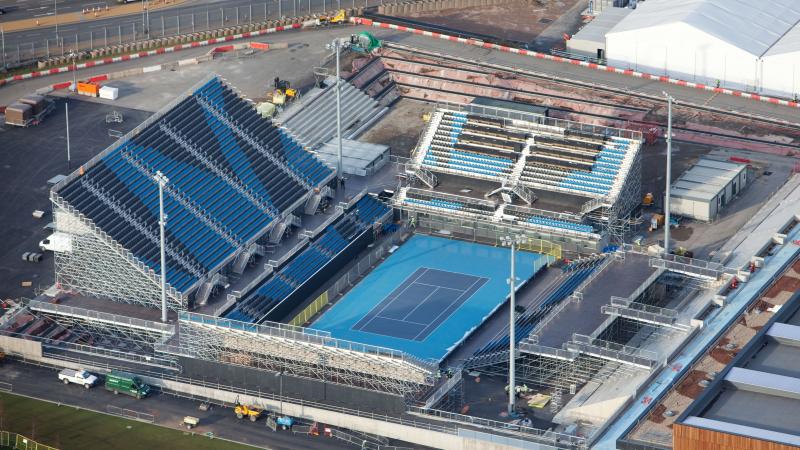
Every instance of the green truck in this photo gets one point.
(121, 382)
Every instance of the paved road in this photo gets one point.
(197, 15)
(40, 382)
(31, 9)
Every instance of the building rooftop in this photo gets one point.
(596, 30)
(705, 179)
(758, 394)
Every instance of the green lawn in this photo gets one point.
(66, 427)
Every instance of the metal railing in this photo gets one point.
(18, 441)
(116, 319)
(541, 120)
(131, 414)
(545, 436)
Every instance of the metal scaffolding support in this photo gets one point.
(74, 331)
(301, 352)
(98, 266)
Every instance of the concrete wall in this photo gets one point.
(28, 348)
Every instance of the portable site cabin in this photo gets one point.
(703, 190)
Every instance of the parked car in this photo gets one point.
(81, 377)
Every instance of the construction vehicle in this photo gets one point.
(190, 422)
(243, 411)
(339, 18)
(283, 92)
(364, 42)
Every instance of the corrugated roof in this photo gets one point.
(705, 179)
(753, 26)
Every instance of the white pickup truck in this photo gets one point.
(78, 377)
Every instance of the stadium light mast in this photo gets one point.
(162, 181)
(336, 46)
(512, 242)
(670, 101)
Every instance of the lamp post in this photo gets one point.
(162, 181)
(55, 16)
(512, 242)
(670, 101)
(66, 112)
(280, 389)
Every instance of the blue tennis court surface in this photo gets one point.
(427, 296)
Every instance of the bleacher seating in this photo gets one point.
(428, 200)
(471, 149)
(305, 264)
(222, 191)
(573, 276)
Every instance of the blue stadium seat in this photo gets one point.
(303, 266)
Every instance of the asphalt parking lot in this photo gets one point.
(28, 158)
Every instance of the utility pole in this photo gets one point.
(55, 16)
(3, 38)
(69, 158)
(667, 219)
(162, 181)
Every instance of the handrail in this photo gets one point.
(544, 436)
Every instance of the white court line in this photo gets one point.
(451, 304)
(378, 313)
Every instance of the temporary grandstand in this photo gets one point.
(233, 177)
(547, 178)
(281, 292)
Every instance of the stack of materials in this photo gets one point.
(19, 114)
(35, 101)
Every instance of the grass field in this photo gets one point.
(66, 427)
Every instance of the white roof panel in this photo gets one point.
(789, 43)
(752, 26)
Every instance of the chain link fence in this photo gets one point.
(18, 49)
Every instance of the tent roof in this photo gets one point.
(754, 27)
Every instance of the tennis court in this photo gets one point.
(427, 296)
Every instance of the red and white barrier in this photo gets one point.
(143, 54)
(629, 72)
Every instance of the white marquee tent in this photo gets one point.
(740, 44)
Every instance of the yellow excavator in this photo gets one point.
(283, 92)
(339, 18)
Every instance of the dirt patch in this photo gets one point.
(783, 284)
(657, 416)
(519, 21)
(400, 128)
(681, 233)
(689, 387)
(721, 355)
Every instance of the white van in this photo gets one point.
(57, 242)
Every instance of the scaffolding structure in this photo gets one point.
(300, 352)
(73, 332)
